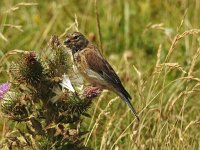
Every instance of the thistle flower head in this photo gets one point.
(66, 83)
(4, 88)
(30, 57)
(30, 69)
(91, 92)
(9, 101)
(54, 42)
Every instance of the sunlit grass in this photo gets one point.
(153, 46)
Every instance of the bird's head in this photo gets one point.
(76, 41)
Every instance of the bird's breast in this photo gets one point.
(84, 69)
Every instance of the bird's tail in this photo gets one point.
(126, 97)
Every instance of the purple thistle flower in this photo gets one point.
(92, 92)
(4, 88)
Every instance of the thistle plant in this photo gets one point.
(41, 99)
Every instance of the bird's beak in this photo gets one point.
(66, 42)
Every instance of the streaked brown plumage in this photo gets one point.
(94, 67)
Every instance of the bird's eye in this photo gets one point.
(76, 37)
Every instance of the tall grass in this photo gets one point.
(153, 46)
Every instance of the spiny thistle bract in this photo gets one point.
(28, 69)
(47, 111)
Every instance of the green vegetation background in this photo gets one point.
(132, 32)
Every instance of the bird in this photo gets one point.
(94, 67)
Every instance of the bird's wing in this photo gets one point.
(98, 64)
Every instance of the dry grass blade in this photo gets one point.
(18, 27)
(171, 66)
(67, 30)
(12, 9)
(114, 131)
(73, 25)
(171, 105)
(194, 59)
(104, 141)
(17, 6)
(96, 124)
(166, 86)
(98, 26)
(179, 37)
(96, 107)
(3, 37)
(27, 4)
(122, 134)
(9, 54)
(192, 78)
(12, 52)
(138, 72)
(158, 55)
(182, 21)
(190, 124)
(150, 26)
(46, 31)
(76, 23)
(152, 85)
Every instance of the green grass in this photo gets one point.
(161, 75)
